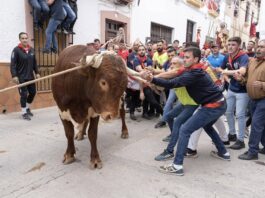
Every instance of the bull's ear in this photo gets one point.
(83, 60)
(90, 48)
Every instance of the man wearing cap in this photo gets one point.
(216, 59)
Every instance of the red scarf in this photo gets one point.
(25, 49)
(230, 59)
(142, 60)
(260, 59)
(196, 66)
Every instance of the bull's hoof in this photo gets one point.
(79, 136)
(68, 159)
(95, 164)
(125, 135)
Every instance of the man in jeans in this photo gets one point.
(57, 16)
(237, 97)
(140, 62)
(40, 12)
(171, 96)
(201, 88)
(70, 17)
(256, 91)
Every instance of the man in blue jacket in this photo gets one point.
(201, 88)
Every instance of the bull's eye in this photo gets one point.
(104, 85)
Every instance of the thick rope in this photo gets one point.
(93, 61)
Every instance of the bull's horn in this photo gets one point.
(92, 60)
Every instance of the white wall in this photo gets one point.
(12, 22)
(170, 13)
(87, 26)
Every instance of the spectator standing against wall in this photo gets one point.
(23, 67)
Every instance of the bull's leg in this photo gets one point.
(70, 151)
(82, 132)
(95, 161)
(124, 130)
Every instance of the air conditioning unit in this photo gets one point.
(122, 2)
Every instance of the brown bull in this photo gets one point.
(82, 96)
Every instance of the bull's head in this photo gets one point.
(107, 81)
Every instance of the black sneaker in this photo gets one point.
(53, 50)
(71, 31)
(29, 112)
(248, 156)
(238, 145)
(191, 153)
(146, 116)
(139, 109)
(132, 116)
(157, 115)
(65, 31)
(232, 138)
(166, 139)
(164, 156)
(160, 124)
(46, 51)
(225, 157)
(170, 169)
(262, 151)
(151, 115)
(226, 143)
(25, 116)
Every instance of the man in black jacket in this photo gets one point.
(201, 88)
(23, 67)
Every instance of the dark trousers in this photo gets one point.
(150, 99)
(133, 99)
(27, 93)
(73, 5)
(257, 133)
(40, 10)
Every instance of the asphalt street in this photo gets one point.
(31, 154)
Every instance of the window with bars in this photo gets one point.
(112, 28)
(190, 31)
(159, 32)
(247, 13)
(236, 8)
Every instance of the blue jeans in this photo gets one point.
(70, 16)
(238, 102)
(176, 117)
(40, 10)
(257, 134)
(51, 40)
(204, 117)
(169, 103)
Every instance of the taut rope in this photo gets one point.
(93, 61)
